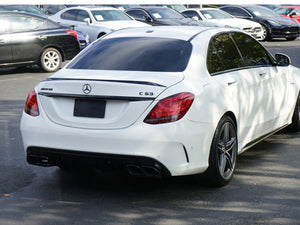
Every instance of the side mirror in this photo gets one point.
(195, 18)
(87, 20)
(292, 14)
(282, 59)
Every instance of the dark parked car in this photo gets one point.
(274, 26)
(158, 15)
(27, 39)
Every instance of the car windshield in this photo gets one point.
(109, 15)
(136, 54)
(282, 11)
(262, 11)
(165, 13)
(215, 14)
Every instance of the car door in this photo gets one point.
(26, 39)
(5, 43)
(272, 80)
(239, 87)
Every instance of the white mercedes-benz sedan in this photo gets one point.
(162, 101)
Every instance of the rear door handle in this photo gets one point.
(262, 74)
(232, 83)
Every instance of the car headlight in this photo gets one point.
(228, 26)
(87, 39)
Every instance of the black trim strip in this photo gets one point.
(116, 81)
(104, 97)
(259, 139)
(186, 154)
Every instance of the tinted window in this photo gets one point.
(82, 15)
(238, 12)
(191, 14)
(4, 24)
(138, 14)
(69, 15)
(26, 23)
(253, 53)
(223, 54)
(136, 54)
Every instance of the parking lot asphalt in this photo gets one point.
(264, 190)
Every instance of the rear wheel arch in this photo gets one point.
(295, 126)
(223, 152)
(101, 34)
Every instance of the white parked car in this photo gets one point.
(95, 21)
(162, 101)
(223, 19)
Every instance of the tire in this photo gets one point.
(290, 38)
(223, 153)
(51, 60)
(266, 33)
(295, 126)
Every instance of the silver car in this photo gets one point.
(95, 21)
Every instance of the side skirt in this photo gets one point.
(257, 140)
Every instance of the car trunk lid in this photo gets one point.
(101, 99)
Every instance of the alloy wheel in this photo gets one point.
(227, 145)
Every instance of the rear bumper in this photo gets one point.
(134, 165)
(176, 149)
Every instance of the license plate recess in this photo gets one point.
(93, 108)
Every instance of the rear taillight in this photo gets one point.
(73, 32)
(170, 109)
(31, 106)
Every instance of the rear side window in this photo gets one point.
(238, 12)
(223, 54)
(69, 15)
(26, 23)
(136, 54)
(4, 24)
(191, 14)
(138, 14)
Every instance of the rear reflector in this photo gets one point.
(170, 109)
(31, 106)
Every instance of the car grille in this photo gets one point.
(253, 31)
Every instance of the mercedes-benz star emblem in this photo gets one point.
(86, 89)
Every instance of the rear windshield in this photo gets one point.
(136, 54)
